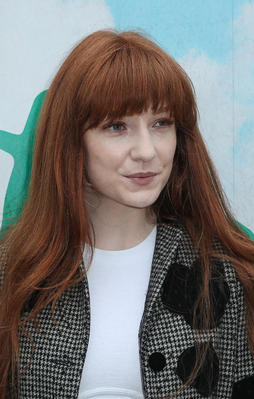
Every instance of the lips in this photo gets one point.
(142, 175)
(142, 178)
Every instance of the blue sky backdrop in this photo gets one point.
(181, 25)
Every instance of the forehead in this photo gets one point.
(150, 112)
(125, 86)
(114, 115)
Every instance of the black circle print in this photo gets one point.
(208, 375)
(182, 286)
(157, 361)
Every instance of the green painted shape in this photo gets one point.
(21, 148)
(246, 231)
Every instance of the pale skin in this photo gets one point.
(128, 163)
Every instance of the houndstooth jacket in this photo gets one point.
(166, 337)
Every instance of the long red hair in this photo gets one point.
(108, 75)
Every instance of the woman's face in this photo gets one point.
(129, 161)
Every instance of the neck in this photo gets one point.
(118, 227)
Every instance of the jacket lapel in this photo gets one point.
(166, 247)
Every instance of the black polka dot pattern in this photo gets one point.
(182, 286)
(208, 376)
(244, 389)
(157, 361)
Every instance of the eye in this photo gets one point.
(115, 127)
(163, 122)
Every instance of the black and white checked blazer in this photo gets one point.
(60, 349)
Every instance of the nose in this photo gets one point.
(143, 146)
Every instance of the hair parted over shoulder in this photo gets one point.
(106, 76)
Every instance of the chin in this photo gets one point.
(143, 203)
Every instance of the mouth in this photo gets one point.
(142, 178)
(147, 174)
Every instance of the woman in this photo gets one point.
(126, 275)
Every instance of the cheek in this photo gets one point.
(100, 159)
(91, 160)
(106, 156)
(93, 164)
(99, 164)
(168, 151)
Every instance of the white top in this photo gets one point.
(118, 282)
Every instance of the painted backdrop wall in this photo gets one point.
(212, 39)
